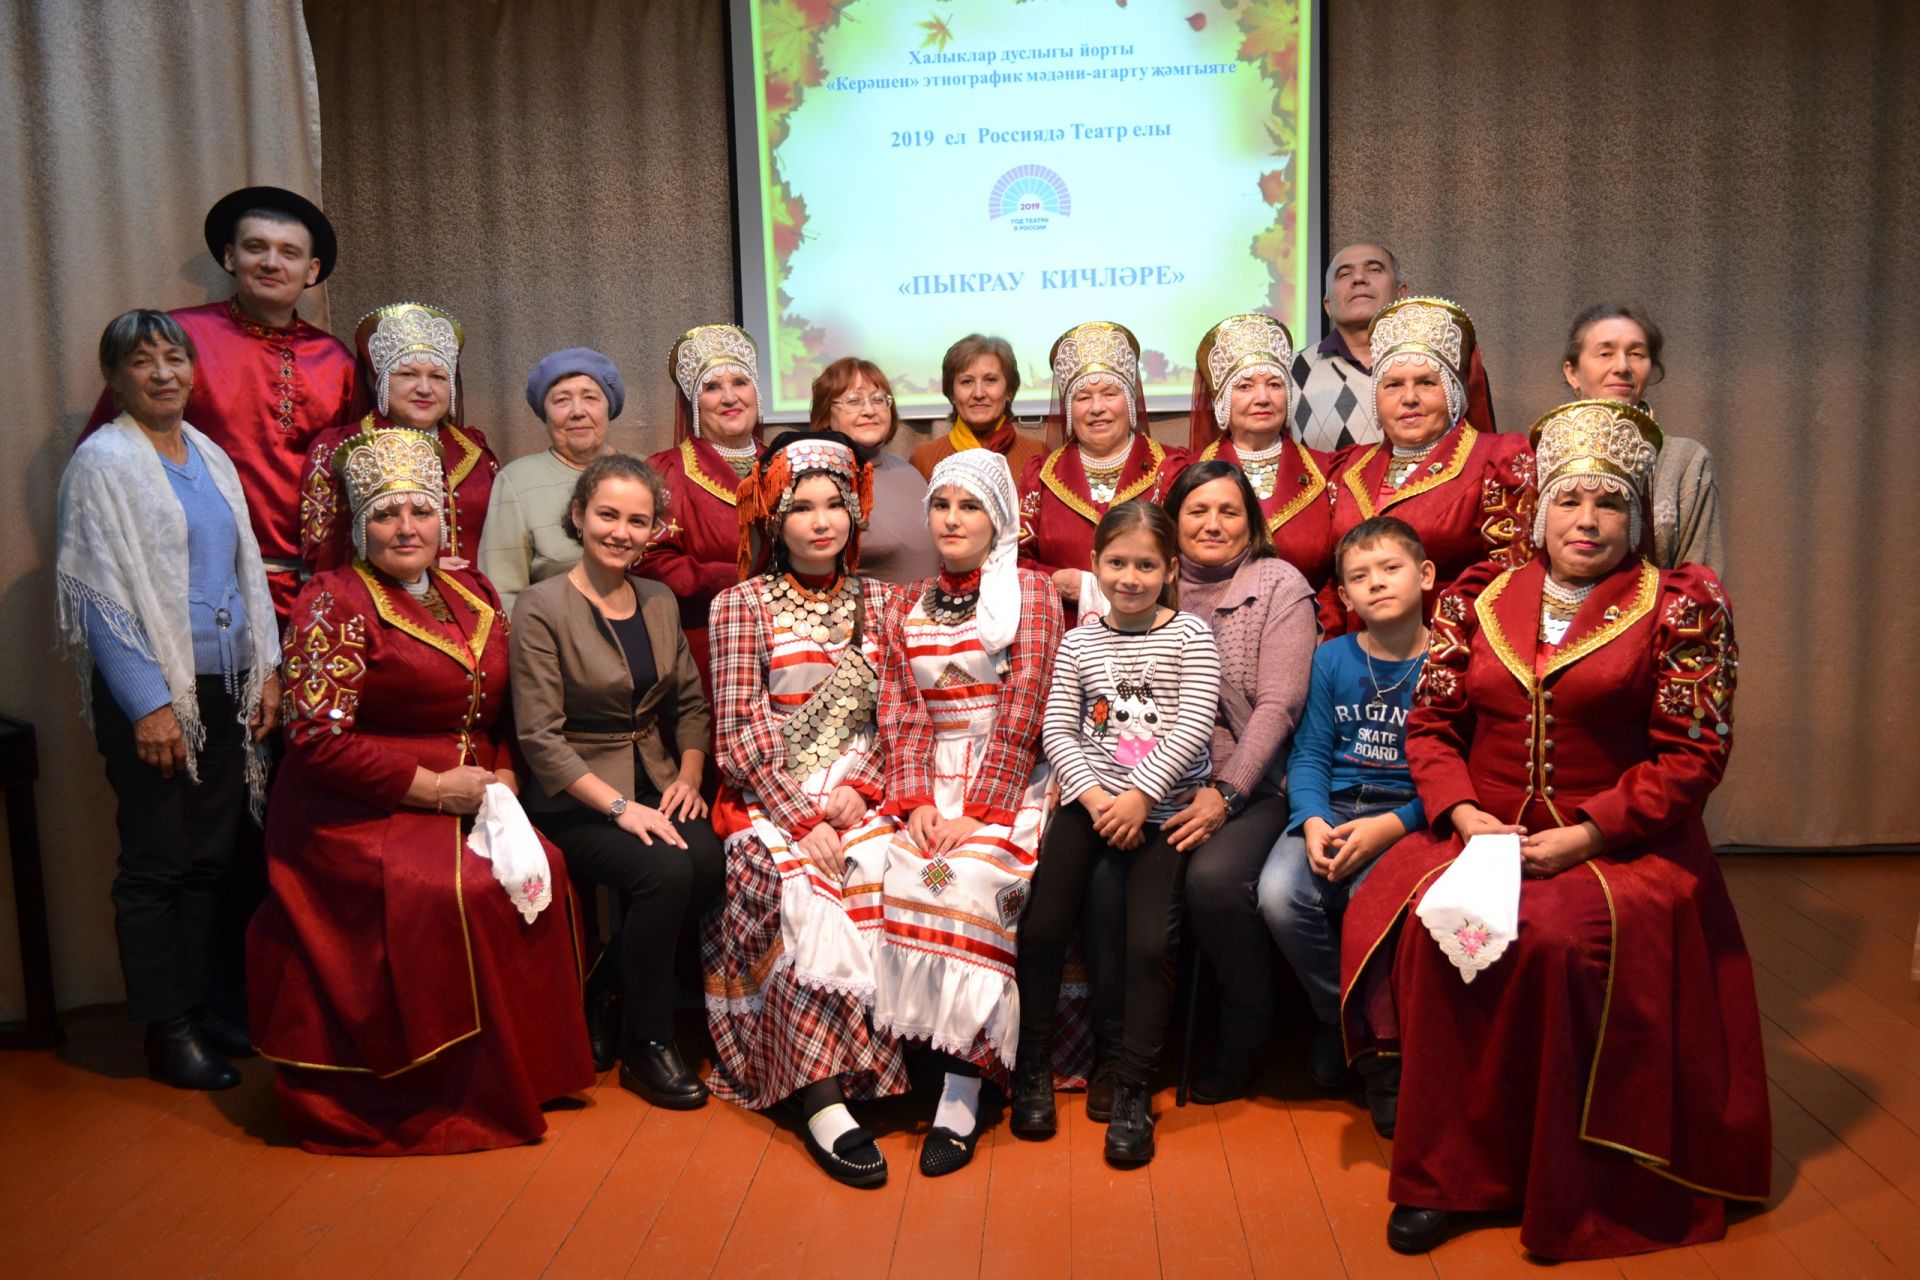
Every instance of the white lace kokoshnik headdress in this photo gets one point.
(1433, 331)
(707, 349)
(382, 468)
(1240, 346)
(412, 331)
(1595, 444)
(1092, 353)
(986, 475)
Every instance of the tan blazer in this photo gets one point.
(573, 694)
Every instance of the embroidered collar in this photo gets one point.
(1062, 474)
(1363, 477)
(1509, 613)
(254, 329)
(389, 605)
(693, 462)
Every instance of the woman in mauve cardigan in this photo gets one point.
(1262, 614)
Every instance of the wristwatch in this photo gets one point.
(1231, 794)
(618, 807)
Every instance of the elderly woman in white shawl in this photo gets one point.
(163, 600)
(969, 661)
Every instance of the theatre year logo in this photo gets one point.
(1030, 197)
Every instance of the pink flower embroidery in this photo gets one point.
(1471, 938)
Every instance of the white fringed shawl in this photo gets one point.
(123, 548)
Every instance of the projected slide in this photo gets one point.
(914, 170)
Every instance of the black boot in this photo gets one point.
(1130, 1131)
(1226, 1074)
(1100, 1092)
(1411, 1230)
(603, 1028)
(178, 1055)
(1030, 1110)
(1327, 1059)
(222, 1034)
(1382, 1075)
(656, 1072)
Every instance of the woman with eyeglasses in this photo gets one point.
(853, 397)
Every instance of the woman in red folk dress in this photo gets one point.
(1467, 493)
(969, 662)
(412, 1006)
(796, 660)
(1243, 400)
(1604, 1073)
(410, 356)
(716, 434)
(1101, 456)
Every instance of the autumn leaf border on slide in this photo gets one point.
(1274, 41)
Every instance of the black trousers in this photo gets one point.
(658, 885)
(179, 841)
(1144, 930)
(1223, 881)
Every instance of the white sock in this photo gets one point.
(828, 1123)
(959, 1108)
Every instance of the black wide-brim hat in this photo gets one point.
(228, 209)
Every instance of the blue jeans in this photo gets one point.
(1303, 910)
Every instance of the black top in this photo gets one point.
(632, 633)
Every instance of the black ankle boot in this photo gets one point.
(1411, 1230)
(1030, 1109)
(1382, 1076)
(655, 1072)
(1130, 1131)
(178, 1055)
(1100, 1092)
(225, 1036)
(603, 1028)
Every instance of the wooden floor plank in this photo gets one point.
(105, 1173)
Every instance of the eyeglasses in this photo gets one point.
(854, 404)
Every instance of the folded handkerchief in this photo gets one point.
(502, 835)
(1473, 909)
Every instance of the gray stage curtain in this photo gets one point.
(1750, 172)
(555, 174)
(120, 123)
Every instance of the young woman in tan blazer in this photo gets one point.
(615, 731)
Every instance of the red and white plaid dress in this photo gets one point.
(789, 954)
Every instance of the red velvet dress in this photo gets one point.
(1472, 500)
(326, 528)
(264, 395)
(411, 1010)
(1058, 513)
(1606, 1072)
(1298, 514)
(696, 546)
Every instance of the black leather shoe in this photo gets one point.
(1222, 1078)
(1411, 1230)
(1327, 1059)
(603, 1028)
(1382, 1075)
(854, 1160)
(1130, 1131)
(222, 1034)
(178, 1055)
(946, 1152)
(1100, 1093)
(656, 1073)
(1030, 1110)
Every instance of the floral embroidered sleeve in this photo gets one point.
(1441, 725)
(667, 558)
(324, 539)
(747, 740)
(323, 672)
(995, 793)
(1031, 489)
(905, 727)
(1507, 499)
(1691, 720)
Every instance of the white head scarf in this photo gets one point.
(986, 475)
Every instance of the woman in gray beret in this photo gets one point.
(576, 392)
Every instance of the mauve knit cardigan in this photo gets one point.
(1263, 620)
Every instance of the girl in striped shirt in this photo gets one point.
(1127, 729)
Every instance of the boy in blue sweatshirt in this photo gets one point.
(1347, 777)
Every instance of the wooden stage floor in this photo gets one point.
(104, 1173)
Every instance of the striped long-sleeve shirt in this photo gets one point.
(1134, 709)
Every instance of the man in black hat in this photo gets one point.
(266, 382)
